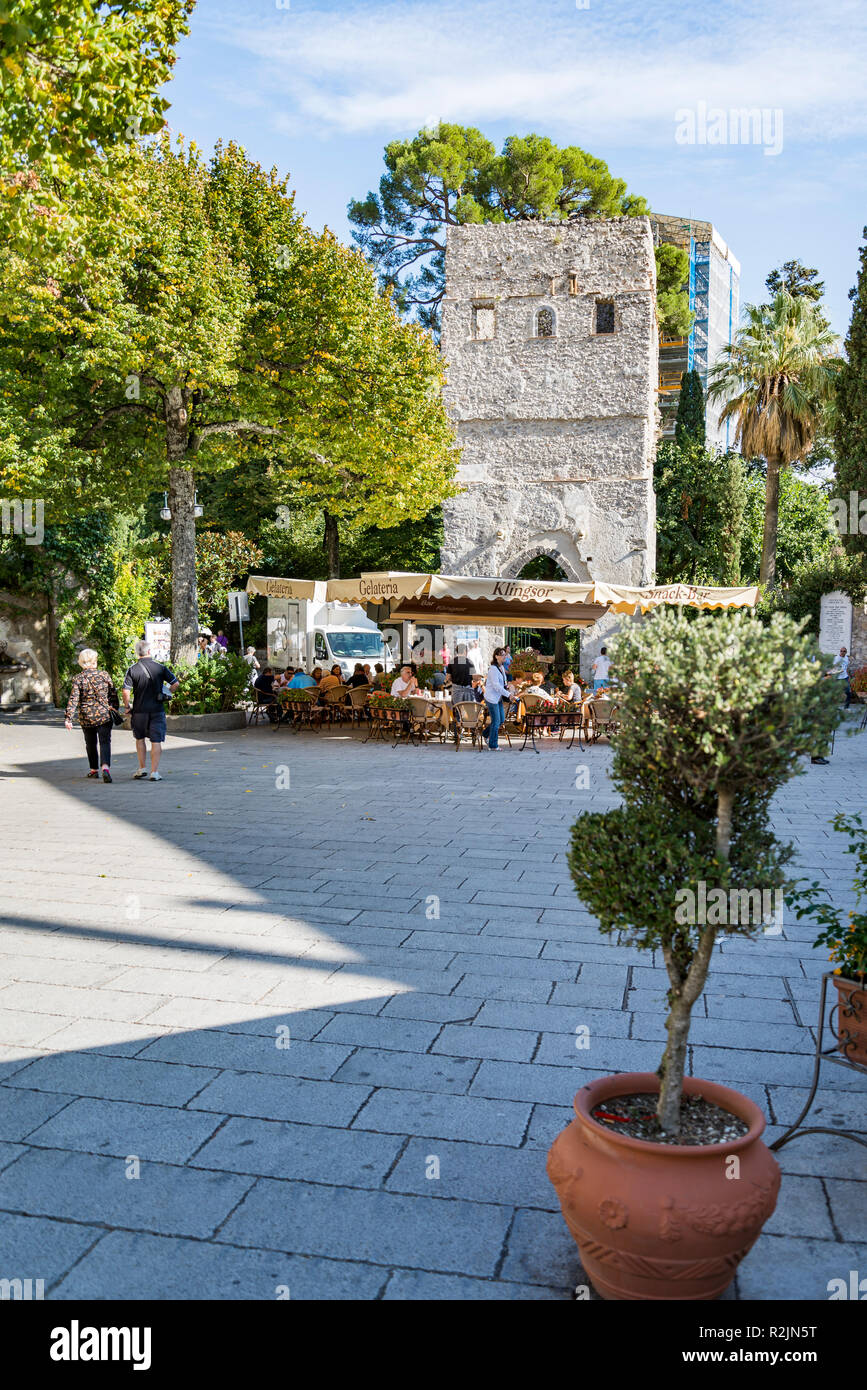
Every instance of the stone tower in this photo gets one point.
(550, 338)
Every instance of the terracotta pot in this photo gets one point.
(661, 1221)
(851, 1026)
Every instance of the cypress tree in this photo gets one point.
(851, 426)
(689, 425)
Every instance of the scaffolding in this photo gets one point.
(713, 301)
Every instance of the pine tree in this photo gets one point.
(689, 426)
(851, 421)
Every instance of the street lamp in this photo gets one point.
(166, 511)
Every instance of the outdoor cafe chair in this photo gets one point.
(426, 718)
(600, 717)
(333, 704)
(357, 703)
(468, 718)
(259, 708)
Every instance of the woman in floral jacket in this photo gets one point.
(92, 698)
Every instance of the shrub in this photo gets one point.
(715, 712)
(211, 685)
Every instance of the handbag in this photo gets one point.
(116, 717)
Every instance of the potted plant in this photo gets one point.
(715, 713)
(847, 939)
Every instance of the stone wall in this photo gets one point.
(557, 433)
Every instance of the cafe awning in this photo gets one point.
(625, 600)
(487, 601)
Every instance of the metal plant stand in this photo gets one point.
(830, 1054)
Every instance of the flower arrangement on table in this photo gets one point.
(380, 700)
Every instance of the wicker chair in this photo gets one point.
(333, 704)
(425, 719)
(468, 717)
(600, 717)
(259, 708)
(356, 706)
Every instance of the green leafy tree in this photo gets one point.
(700, 503)
(689, 425)
(800, 594)
(851, 419)
(796, 279)
(805, 534)
(227, 324)
(223, 562)
(697, 763)
(672, 291)
(452, 175)
(76, 80)
(776, 380)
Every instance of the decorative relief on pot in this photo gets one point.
(613, 1213)
(754, 1210)
(662, 1269)
(669, 1226)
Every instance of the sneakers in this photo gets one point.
(93, 772)
(106, 775)
(155, 777)
(823, 761)
(142, 772)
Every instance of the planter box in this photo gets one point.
(204, 723)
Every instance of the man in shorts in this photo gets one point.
(146, 679)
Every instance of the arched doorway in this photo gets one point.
(559, 645)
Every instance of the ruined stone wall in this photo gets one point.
(557, 433)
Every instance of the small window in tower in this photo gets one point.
(573, 282)
(485, 320)
(604, 316)
(545, 324)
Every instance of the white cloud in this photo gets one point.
(615, 71)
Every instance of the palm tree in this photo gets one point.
(776, 380)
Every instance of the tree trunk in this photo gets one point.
(768, 570)
(185, 603)
(331, 546)
(686, 989)
(560, 648)
(53, 662)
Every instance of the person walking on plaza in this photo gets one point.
(496, 689)
(92, 698)
(147, 679)
(841, 670)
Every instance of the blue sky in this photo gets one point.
(319, 88)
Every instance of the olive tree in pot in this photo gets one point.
(715, 714)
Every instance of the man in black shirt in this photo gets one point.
(461, 672)
(146, 679)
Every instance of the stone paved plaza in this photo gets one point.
(407, 916)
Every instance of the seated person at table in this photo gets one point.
(301, 680)
(282, 678)
(332, 680)
(460, 673)
(405, 684)
(549, 684)
(537, 687)
(572, 688)
(438, 681)
(478, 689)
(358, 676)
(264, 684)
